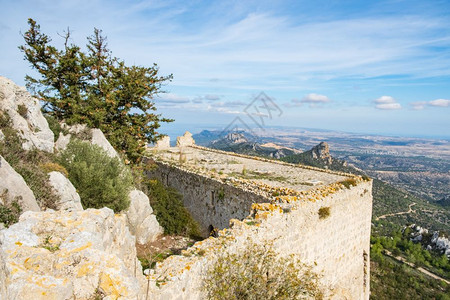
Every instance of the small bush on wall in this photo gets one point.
(324, 212)
(258, 273)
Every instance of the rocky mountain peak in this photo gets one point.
(322, 151)
(235, 138)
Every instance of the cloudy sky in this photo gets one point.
(358, 66)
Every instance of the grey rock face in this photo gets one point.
(69, 198)
(99, 139)
(26, 116)
(13, 187)
(70, 255)
(94, 136)
(322, 151)
(62, 141)
(141, 220)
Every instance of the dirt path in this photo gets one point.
(420, 269)
(410, 210)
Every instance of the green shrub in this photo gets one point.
(348, 183)
(99, 179)
(9, 214)
(22, 110)
(221, 194)
(4, 120)
(170, 211)
(51, 166)
(324, 212)
(55, 126)
(257, 273)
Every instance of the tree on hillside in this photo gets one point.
(92, 87)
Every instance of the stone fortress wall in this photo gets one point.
(274, 202)
(208, 200)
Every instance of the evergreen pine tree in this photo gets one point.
(96, 89)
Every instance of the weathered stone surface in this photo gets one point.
(2, 136)
(186, 140)
(141, 220)
(62, 141)
(3, 275)
(282, 206)
(99, 139)
(336, 247)
(163, 143)
(71, 255)
(13, 187)
(69, 198)
(26, 116)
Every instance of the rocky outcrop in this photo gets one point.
(26, 117)
(62, 141)
(235, 138)
(68, 196)
(141, 220)
(322, 152)
(186, 140)
(93, 135)
(71, 255)
(99, 139)
(14, 188)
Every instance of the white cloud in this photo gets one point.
(172, 98)
(436, 103)
(419, 105)
(385, 99)
(440, 103)
(387, 103)
(235, 103)
(315, 98)
(211, 97)
(389, 106)
(242, 49)
(312, 98)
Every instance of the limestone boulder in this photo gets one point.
(26, 116)
(71, 255)
(99, 139)
(95, 136)
(141, 220)
(2, 136)
(186, 140)
(68, 196)
(62, 141)
(14, 188)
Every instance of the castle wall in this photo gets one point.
(209, 201)
(337, 246)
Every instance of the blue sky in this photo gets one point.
(360, 66)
